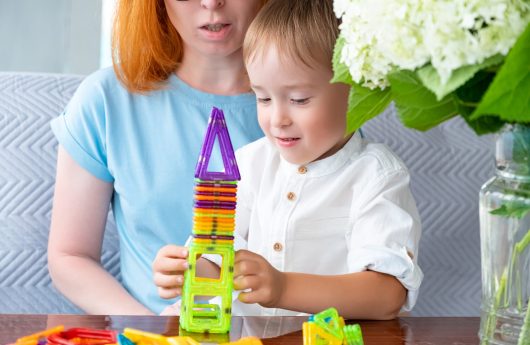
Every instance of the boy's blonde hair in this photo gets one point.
(300, 29)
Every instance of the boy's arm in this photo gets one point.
(362, 295)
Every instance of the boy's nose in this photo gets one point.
(212, 4)
(279, 118)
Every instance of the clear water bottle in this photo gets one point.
(505, 241)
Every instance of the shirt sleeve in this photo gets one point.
(386, 231)
(80, 129)
(244, 201)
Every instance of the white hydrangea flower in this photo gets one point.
(384, 35)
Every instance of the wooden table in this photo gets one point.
(273, 330)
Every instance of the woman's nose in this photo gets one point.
(212, 4)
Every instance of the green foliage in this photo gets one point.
(364, 104)
(486, 95)
(511, 210)
(508, 96)
(521, 150)
(417, 106)
(431, 79)
(469, 96)
(341, 74)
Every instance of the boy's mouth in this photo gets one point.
(287, 142)
(287, 139)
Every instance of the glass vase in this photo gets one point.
(505, 241)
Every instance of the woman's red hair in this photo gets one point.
(146, 48)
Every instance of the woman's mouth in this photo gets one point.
(215, 32)
(214, 27)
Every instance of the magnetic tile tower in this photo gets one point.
(213, 234)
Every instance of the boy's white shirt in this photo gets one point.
(351, 212)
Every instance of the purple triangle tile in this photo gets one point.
(217, 129)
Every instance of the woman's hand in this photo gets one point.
(168, 270)
(265, 283)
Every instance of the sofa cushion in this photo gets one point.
(28, 150)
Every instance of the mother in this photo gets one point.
(130, 137)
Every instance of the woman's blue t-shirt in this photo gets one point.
(147, 146)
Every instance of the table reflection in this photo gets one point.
(392, 332)
(266, 327)
(257, 326)
(272, 330)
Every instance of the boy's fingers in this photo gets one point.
(169, 293)
(246, 282)
(243, 254)
(246, 267)
(167, 281)
(249, 297)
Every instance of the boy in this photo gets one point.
(323, 219)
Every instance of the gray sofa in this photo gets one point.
(448, 165)
(27, 172)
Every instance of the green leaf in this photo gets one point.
(511, 210)
(364, 104)
(521, 150)
(417, 106)
(341, 73)
(469, 96)
(484, 125)
(431, 79)
(472, 91)
(509, 94)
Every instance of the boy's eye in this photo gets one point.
(300, 101)
(264, 100)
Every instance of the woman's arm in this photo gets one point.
(169, 267)
(79, 215)
(363, 295)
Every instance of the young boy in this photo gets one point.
(322, 219)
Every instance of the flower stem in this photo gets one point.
(503, 293)
(522, 244)
(492, 315)
(524, 337)
(519, 248)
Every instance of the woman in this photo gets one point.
(131, 136)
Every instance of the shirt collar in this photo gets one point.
(329, 164)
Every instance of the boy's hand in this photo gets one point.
(252, 271)
(168, 270)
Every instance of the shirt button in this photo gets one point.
(302, 169)
(291, 196)
(277, 247)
